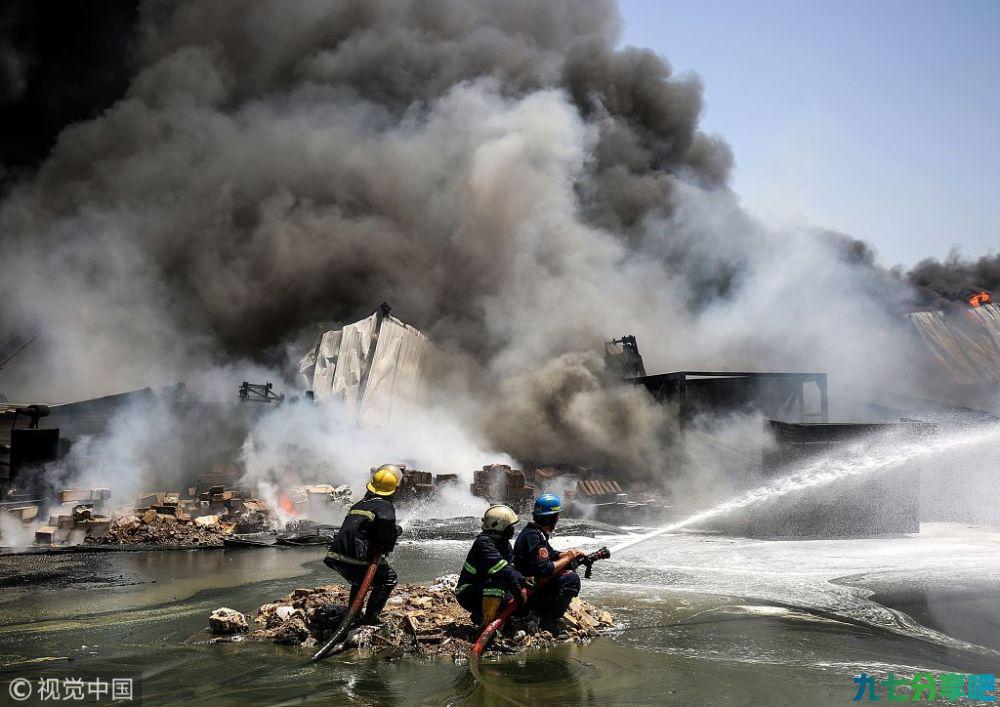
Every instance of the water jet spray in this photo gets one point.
(821, 473)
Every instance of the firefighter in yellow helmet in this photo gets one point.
(488, 577)
(370, 527)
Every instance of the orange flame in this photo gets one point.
(980, 298)
(286, 505)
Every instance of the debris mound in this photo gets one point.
(152, 528)
(204, 520)
(418, 620)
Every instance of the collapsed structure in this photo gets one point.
(377, 370)
(375, 367)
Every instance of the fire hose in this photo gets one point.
(495, 625)
(352, 612)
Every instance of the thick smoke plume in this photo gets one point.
(955, 275)
(503, 174)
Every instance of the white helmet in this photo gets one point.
(498, 518)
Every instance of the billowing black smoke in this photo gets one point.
(498, 170)
(59, 63)
(955, 277)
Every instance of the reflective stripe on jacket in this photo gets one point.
(370, 525)
(488, 567)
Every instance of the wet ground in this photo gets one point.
(705, 620)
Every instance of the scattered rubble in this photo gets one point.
(154, 529)
(418, 620)
(164, 518)
(83, 514)
(225, 621)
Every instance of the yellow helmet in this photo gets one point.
(385, 479)
(498, 518)
(396, 471)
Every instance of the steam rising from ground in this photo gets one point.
(498, 171)
(300, 444)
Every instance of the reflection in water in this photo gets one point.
(552, 676)
(705, 619)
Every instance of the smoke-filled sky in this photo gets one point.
(506, 174)
(879, 119)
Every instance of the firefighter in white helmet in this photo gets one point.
(370, 527)
(488, 577)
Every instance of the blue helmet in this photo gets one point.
(548, 504)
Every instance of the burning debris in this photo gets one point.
(978, 299)
(418, 620)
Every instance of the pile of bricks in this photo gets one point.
(232, 507)
(415, 484)
(81, 517)
(498, 483)
(202, 519)
(221, 475)
(151, 528)
(165, 503)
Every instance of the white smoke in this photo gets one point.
(498, 171)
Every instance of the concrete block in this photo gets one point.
(25, 514)
(74, 495)
(45, 535)
(151, 499)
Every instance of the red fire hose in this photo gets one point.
(493, 626)
(352, 611)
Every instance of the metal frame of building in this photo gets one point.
(674, 386)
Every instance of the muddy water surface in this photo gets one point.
(704, 620)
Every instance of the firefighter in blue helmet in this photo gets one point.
(488, 577)
(534, 557)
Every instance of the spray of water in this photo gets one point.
(828, 470)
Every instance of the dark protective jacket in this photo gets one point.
(488, 567)
(370, 526)
(533, 556)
